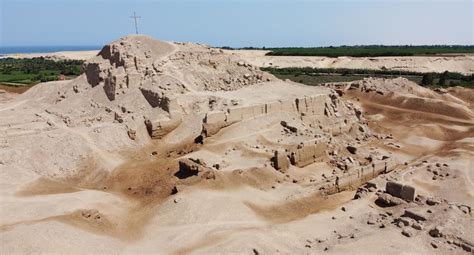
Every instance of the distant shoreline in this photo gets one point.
(9, 50)
(57, 55)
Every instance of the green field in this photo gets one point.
(372, 51)
(315, 76)
(21, 72)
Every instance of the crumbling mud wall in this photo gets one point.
(308, 109)
(138, 68)
(307, 153)
(159, 128)
(165, 86)
(356, 176)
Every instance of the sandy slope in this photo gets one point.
(169, 148)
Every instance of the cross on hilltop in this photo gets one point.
(135, 17)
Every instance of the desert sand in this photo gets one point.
(60, 55)
(422, 64)
(179, 148)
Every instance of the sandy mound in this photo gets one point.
(181, 148)
(135, 89)
(402, 93)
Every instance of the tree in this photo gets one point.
(427, 79)
(442, 79)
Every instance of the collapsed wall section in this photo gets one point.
(303, 107)
(157, 129)
(307, 153)
(311, 109)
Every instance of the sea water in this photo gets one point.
(43, 49)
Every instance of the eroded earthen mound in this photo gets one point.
(139, 88)
(162, 141)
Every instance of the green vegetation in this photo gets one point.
(372, 51)
(315, 76)
(21, 72)
(427, 80)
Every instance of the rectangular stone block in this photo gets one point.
(415, 214)
(109, 87)
(320, 150)
(394, 189)
(280, 161)
(407, 193)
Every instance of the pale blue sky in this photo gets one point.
(239, 23)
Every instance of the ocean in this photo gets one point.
(44, 49)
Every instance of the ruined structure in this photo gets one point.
(180, 147)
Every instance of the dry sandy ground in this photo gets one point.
(169, 148)
(77, 55)
(461, 64)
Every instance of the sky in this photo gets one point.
(239, 23)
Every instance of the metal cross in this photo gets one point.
(135, 17)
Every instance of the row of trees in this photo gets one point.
(40, 65)
(427, 79)
(447, 79)
(372, 50)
